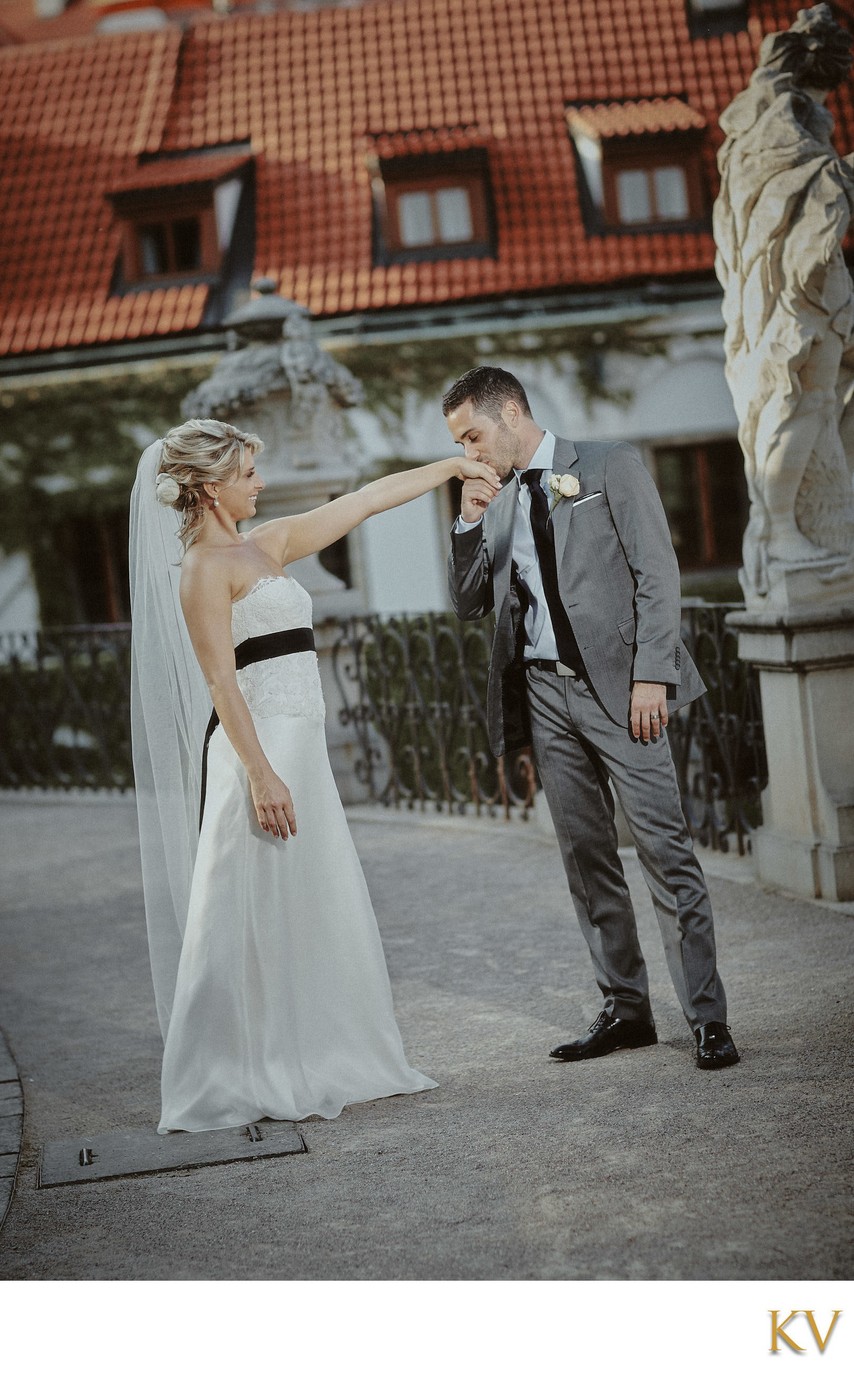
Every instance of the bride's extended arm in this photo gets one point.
(295, 537)
(206, 603)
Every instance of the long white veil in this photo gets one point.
(170, 706)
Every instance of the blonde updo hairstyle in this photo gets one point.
(197, 452)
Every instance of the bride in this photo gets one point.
(268, 968)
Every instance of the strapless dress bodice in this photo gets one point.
(287, 686)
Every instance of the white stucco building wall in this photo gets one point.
(19, 605)
(677, 397)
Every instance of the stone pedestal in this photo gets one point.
(805, 661)
(284, 495)
(815, 586)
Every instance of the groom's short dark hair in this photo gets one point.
(488, 387)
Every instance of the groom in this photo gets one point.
(586, 666)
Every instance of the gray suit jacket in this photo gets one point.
(618, 577)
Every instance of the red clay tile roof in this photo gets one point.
(317, 97)
(615, 119)
(201, 168)
(445, 139)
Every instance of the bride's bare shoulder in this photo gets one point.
(272, 537)
(207, 568)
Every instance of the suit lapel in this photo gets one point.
(565, 459)
(502, 514)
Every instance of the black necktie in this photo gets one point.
(567, 645)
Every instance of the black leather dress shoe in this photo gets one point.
(607, 1034)
(715, 1047)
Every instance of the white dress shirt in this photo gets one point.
(540, 639)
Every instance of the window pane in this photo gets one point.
(710, 6)
(704, 494)
(633, 201)
(415, 218)
(454, 209)
(671, 194)
(677, 484)
(730, 502)
(187, 240)
(92, 569)
(153, 255)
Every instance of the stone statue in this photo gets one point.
(309, 368)
(784, 207)
(276, 380)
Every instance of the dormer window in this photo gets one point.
(177, 217)
(438, 210)
(641, 191)
(170, 246)
(432, 207)
(440, 214)
(640, 164)
(180, 243)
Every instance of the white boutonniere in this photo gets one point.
(563, 487)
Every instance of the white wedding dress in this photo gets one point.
(283, 1006)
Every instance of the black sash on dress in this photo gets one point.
(256, 650)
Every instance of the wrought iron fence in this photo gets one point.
(413, 690)
(64, 708)
(413, 693)
(718, 741)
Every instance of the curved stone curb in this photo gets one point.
(11, 1125)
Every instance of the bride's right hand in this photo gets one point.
(468, 470)
(274, 806)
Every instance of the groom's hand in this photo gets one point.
(648, 710)
(476, 496)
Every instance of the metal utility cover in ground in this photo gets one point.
(135, 1151)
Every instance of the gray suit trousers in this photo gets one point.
(578, 748)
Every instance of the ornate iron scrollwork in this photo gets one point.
(718, 741)
(413, 693)
(64, 708)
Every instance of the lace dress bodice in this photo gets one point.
(288, 686)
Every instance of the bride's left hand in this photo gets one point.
(273, 805)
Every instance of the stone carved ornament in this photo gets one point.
(784, 207)
(272, 359)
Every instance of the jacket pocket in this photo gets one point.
(627, 630)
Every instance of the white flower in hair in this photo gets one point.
(167, 489)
